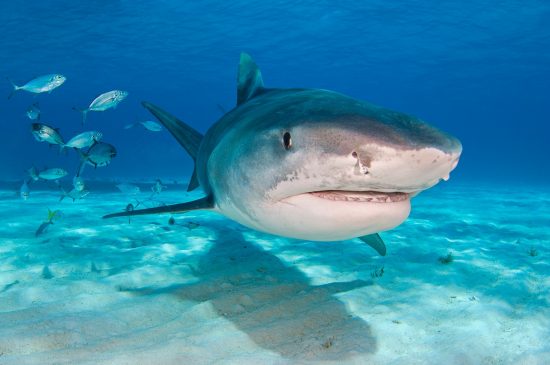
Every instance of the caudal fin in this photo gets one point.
(63, 193)
(84, 113)
(83, 159)
(15, 88)
(63, 148)
(33, 173)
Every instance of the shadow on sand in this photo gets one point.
(274, 304)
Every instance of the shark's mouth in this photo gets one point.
(361, 196)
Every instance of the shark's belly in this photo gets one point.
(311, 218)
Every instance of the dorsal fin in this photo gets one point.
(187, 137)
(249, 80)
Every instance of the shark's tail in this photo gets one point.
(84, 113)
(15, 88)
(188, 138)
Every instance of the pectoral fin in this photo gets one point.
(204, 203)
(374, 241)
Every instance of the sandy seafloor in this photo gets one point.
(93, 291)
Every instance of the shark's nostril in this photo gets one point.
(360, 166)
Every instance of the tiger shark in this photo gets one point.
(310, 164)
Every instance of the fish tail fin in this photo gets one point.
(63, 193)
(188, 138)
(82, 164)
(15, 88)
(33, 173)
(84, 113)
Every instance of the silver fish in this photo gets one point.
(24, 190)
(74, 194)
(148, 124)
(100, 154)
(84, 139)
(47, 174)
(103, 102)
(33, 112)
(78, 183)
(45, 133)
(52, 216)
(41, 84)
(129, 189)
(157, 188)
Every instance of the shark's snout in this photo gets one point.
(401, 153)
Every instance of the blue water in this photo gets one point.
(475, 69)
(207, 290)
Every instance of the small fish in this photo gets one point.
(78, 183)
(129, 208)
(148, 124)
(45, 133)
(100, 154)
(191, 225)
(84, 139)
(52, 215)
(47, 174)
(24, 190)
(41, 84)
(129, 189)
(157, 188)
(42, 228)
(74, 194)
(33, 112)
(103, 102)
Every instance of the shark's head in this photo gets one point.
(318, 165)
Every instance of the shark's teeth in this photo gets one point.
(361, 196)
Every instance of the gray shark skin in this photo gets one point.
(310, 164)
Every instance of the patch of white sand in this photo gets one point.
(93, 291)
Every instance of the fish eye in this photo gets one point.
(287, 141)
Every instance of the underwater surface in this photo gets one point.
(466, 278)
(206, 290)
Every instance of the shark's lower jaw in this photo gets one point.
(361, 196)
(330, 215)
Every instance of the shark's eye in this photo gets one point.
(287, 141)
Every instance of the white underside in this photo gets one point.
(309, 217)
